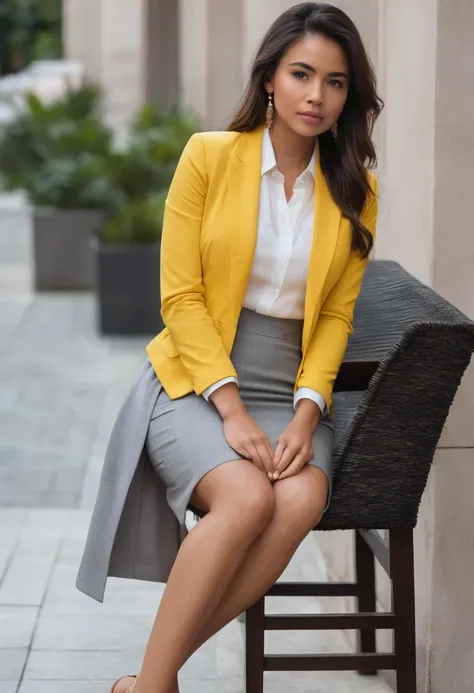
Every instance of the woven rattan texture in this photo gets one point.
(387, 435)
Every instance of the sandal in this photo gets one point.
(131, 688)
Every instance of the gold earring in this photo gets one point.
(334, 130)
(269, 116)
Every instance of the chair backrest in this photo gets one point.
(387, 435)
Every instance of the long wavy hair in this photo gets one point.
(345, 158)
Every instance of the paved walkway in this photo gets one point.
(60, 388)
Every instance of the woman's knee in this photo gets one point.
(302, 498)
(240, 492)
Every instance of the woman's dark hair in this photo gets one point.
(344, 158)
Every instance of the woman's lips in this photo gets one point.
(311, 118)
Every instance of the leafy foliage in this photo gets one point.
(63, 156)
(42, 132)
(73, 183)
(30, 30)
(137, 221)
(142, 173)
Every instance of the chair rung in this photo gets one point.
(313, 589)
(363, 663)
(342, 621)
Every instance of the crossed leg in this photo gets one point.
(232, 557)
(299, 504)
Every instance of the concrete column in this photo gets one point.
(407, 159)
(211, 37)
(124, 59)
(426, 170)
(162, 52)
(451, 636)
(258, 16)
(82, 35)
(109, 38)
(130, 48)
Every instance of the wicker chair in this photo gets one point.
(403, 365)
(404, 362)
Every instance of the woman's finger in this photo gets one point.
(265, 456)
(270, 450)
(279, 450)
(246, 452)
(287, 458)
(296, 466)
(255, 457)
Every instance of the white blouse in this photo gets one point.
(277, 283)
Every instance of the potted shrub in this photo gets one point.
(128, 250)
(58, 154)
(128, 268)
(68, 125)
(68, 197)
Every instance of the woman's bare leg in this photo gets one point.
(240, 504)
(299, 504)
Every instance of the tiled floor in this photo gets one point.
(53, 638)
(60, 388)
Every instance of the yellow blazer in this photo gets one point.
(208, 244)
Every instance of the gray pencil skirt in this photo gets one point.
(185, 438)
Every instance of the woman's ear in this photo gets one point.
(269, 87)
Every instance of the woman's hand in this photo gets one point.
(246, 437)
(295, 444)
(242, 432)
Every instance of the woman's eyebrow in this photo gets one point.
(311, 69)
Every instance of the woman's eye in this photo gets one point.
(299, 75)
(337, 82)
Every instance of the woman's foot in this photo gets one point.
(123, 684)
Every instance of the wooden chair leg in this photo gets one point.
(403, 596)
(254, 647)
(366, 601)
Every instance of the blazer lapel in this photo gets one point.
(327, 220)
(244, 196)
(243, 205)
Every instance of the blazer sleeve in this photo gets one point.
(335, 322)
(183, 306)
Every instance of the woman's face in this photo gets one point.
(312, 79)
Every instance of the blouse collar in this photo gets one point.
(269, 161)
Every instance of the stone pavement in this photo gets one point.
(60, 389)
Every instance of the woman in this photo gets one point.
(267, 232)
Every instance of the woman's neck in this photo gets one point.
(292, 151)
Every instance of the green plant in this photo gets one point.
(139, 171)
(78, 182)
(30, 30)
(63, 156)
(44, 133)
(146, 166)
(162, 136)
(137, 221)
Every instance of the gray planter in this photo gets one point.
(128, 289)
(63, 255)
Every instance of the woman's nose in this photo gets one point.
(315, 96)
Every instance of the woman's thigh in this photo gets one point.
(241, 490)
(300, 500)
(184, 443)
(237, 489)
